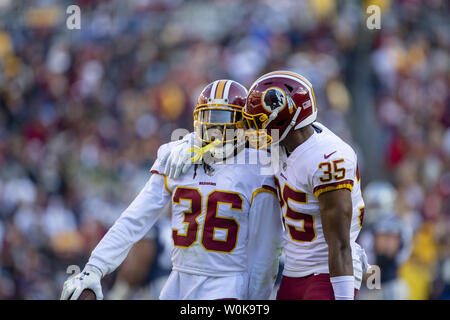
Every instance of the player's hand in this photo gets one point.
(89, 278)
(178, 160)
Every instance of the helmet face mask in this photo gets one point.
(254, 125)
(217, 121)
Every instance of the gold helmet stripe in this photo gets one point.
(220, 89)
(314, 98)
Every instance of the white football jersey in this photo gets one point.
(225, 221)
(211, 216)
(322, 163)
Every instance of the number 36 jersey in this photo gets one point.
(216, 217)
(322, 163)
(225, 220)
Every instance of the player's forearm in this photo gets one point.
(131, 226)
(336, 213)
(117, 242)
(113, 248)
(341, 270)
(340, 259)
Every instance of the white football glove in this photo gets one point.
(178, 160)
(89, 278)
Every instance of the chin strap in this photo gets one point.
(289, 127)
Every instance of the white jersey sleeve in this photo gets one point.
(132, 225)
(264, 245)
(337, 171)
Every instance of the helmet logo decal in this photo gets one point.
(274, 99)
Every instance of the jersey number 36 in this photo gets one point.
(211, 221)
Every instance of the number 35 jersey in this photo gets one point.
(321, 164)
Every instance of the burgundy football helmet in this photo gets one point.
(277, 103)
(218, 114)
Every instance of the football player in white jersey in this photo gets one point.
(319, 189)
(226, 225)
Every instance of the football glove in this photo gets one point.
(178, 160)
(185, 153)
(89, 278)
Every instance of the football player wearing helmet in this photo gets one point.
(226, 225)
(218, 129)
(318, 186)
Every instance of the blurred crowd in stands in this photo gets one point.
(83, 112)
